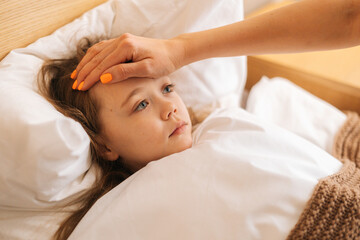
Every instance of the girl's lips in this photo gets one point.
(180, 128)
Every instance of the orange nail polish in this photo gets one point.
(81, 85)
(74, 85)
(105, 78)
(73, 74)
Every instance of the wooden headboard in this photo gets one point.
(23, 22)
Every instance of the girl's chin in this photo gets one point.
(184, 146)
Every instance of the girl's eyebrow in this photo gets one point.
(132, 93)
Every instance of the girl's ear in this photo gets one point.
(109, 154)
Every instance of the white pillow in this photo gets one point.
(282, 102)
(242, 179)
(217, 81)
(44, 155)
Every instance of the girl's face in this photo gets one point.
(142, 120)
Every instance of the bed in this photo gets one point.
(41, 171)
(317, 72)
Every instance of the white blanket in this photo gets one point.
(242, 179)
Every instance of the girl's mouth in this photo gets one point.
(180, 128)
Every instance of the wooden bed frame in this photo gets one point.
(23, 22)
(334, 76)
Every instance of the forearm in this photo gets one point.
(307, 25)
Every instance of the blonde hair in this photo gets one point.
(55, 85)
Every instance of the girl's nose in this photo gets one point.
(169, 108)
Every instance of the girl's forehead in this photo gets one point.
(129, 85)
(116, 93)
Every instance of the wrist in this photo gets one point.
(205, 44)
(185, 50)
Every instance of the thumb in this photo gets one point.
(124, 71)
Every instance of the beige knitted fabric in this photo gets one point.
(333, 212)
(347, 141)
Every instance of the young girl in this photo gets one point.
(133, 122)
(155, 113)
(129, 124)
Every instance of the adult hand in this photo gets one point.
(125, 57)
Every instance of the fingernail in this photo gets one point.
(81, 85)
(74, 85)
(73, 74)
(105, 78)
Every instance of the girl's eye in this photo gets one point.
(169, 88)
(141, 106)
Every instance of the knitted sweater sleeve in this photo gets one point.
(333, 211)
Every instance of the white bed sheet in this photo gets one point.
(242, 179)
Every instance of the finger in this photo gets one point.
(121, 72)
(109, 75)
(125, 71)
(93, 51)
(94, 69)
(90, 54)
